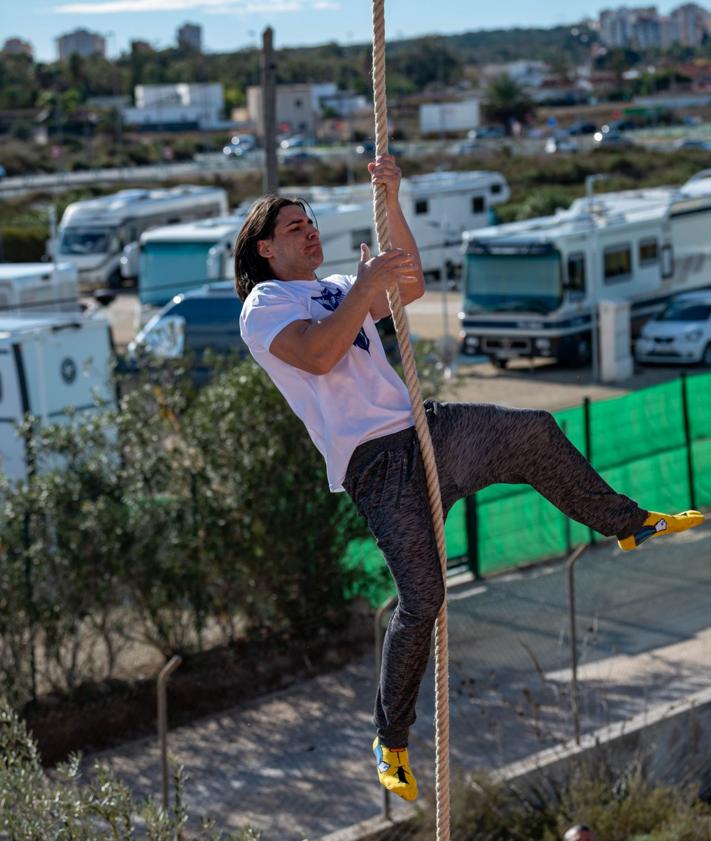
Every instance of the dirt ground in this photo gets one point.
(540, 384)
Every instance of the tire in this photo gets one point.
(706, 356)
(115, 279)
(580, 352)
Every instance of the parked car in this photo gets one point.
(297, 157)
(619, 126)
(467, 147)
(239, 145)
(693, 143)
(582, 127)
(295, 141)
(560, 144)
(3, 172)
(206, 318)
(367, 148)
(488, 132)
(680, 333)
(611, 140)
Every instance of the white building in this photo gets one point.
(692, 22)
(644, 28)
(16, 46)
(529, 74)
(449, 116)
(298, 107)
(82, 42)
(189, 37)
(179, 106)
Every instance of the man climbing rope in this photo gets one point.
(317, 340)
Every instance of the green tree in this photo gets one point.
(507, 101)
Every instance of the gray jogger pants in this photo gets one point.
(475, 445)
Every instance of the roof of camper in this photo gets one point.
(134, 200)
(202, 230)
(440, 182)
(608, 210)
(24, 271)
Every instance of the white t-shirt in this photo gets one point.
(359, 399)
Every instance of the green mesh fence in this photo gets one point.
(638, 442)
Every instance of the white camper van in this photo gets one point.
(93, 233)
(531, 288)
(439, 207)
(38, 287)
(47, 364)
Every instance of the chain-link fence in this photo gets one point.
(653, 445)
(538, 656)
(297, 764)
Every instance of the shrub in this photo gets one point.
(35, 806)
(22, 245)
(619, 803)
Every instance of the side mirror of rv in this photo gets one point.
(129, 260)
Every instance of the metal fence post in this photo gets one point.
(575, 707)
(688, 439)
(588, 444)
(471, 518)
(165, 673)
(387, 605)
(567, 533)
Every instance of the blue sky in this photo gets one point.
(233, 24)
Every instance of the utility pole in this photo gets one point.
(271, 171)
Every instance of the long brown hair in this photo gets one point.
(250, 267)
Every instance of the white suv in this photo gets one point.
(680, 333)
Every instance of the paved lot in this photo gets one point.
(296, 764)
(539, 385)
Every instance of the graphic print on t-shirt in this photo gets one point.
(330, 300)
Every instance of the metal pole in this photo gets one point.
(588, 442)
(165, 673)
(566, 520)
(379, 635)
(471, 519)
(688, 439)
(575, 708)
(271, 170)
(594, 275)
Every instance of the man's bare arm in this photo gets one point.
(316, 346)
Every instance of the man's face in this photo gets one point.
(294, 251)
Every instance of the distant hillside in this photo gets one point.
(503, 45)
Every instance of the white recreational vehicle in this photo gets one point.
(93, 233)
(531, 288)
(438, 207)
(49, 363)
(38, 287)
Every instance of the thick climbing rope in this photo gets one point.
(423, 432)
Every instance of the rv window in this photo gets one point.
(361, 235)
(576, 275)
(618, 263)
(495, 188)
(648, 252)
(421, 206)
(667, 261)
(478, 204)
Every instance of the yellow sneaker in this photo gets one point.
(657, 525)
(394, 771)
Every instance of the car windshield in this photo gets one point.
(84, 241)
(512, 283)
(686, 311)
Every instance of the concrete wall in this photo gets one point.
(672, 741)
